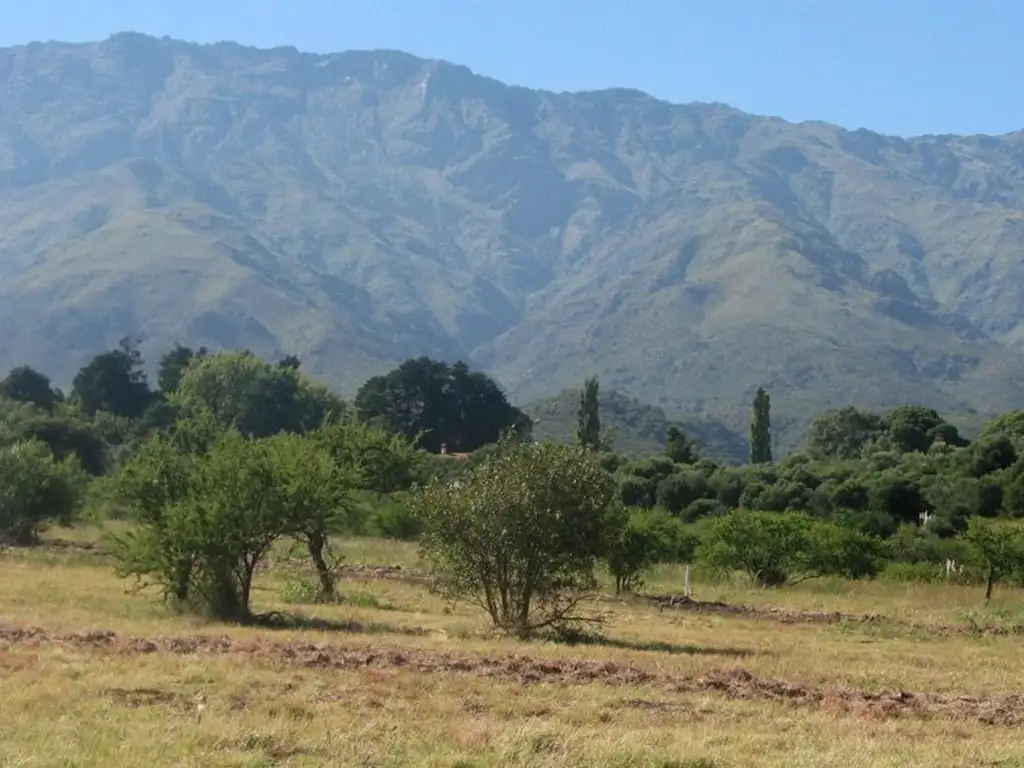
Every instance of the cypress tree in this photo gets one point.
(588, 431)
(760, 428)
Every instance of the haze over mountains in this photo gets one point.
(360, 208)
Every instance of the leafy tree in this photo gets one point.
(35, 490)
(379, 461)
(679, 490)
(207, 520)
(913, 428)
(113, 382)
(680, 448)
(435, 404)
(999, 547)
(256, 397)
(519, 534)
(637, 540)
(841, 551)
(64, 435)
(588, 430)
(760, 429)
(843, 434)
(27, 385)
(767, 546)
(173, 365)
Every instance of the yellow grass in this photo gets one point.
(296, 697)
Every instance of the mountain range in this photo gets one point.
(364, 207)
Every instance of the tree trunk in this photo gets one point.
(316, 542)
(990, 583)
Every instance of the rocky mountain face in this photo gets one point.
(364, 207)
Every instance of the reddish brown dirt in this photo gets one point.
(735, 682)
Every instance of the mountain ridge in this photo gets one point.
(364, 207)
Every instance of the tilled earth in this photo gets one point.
(732, 682)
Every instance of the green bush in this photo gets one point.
(639, 539)
(36, 490)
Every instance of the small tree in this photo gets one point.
(760, 428)
(588, 431)
(519, 534)
(36, 490)
(637, 540)
(27, 385)
(208, 520)
(768, 546)
(998, 546)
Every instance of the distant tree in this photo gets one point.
(913, 428)
(27, 385)
(680, 448)
(530, 558)
(760, 429)
(64, 434)
(173, 365)
(257, 397)
(768, 546)
(588, 431)
(842, 434)
(114, 382)
(639, 539)
(290, 361)
(436, 403)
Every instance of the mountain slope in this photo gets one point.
(364, 207)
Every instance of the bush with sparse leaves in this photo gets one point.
(519, 534)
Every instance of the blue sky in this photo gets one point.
(896, 66)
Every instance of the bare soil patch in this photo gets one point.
(733, 682)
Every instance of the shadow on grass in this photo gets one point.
(294, 621)
(650, 647)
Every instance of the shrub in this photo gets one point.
(835, 550)
(767, 546)
(207, 520)
(36, 490)
(637, 540)
(519, 534)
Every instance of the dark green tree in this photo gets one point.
(760, 428)
(114, 382)
(173, 364)
(588, 430)
(27, 385)
(842, 434)
(436, 403)
(679, 447)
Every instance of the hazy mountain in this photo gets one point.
(364, 207)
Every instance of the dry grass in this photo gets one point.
(400, 679)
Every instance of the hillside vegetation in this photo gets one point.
(362, 208)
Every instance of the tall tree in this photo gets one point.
(27, 385)
(113, 382)
(679, 447)
(761, 428)
(588, 430)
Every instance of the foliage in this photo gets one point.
(207, 520)
(256, 397)
(25, 384)
(998, 546)
(35, 490)
(439, 404)
(638, 539)
(760, 428)
(680, 447)
(519, 534)
(114, 382)
(588, 418)
(768, 546)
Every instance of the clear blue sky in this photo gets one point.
(896, 66)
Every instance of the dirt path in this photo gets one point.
(732, 682)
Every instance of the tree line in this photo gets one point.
(229, 454)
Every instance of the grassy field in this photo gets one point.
(825, 674)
